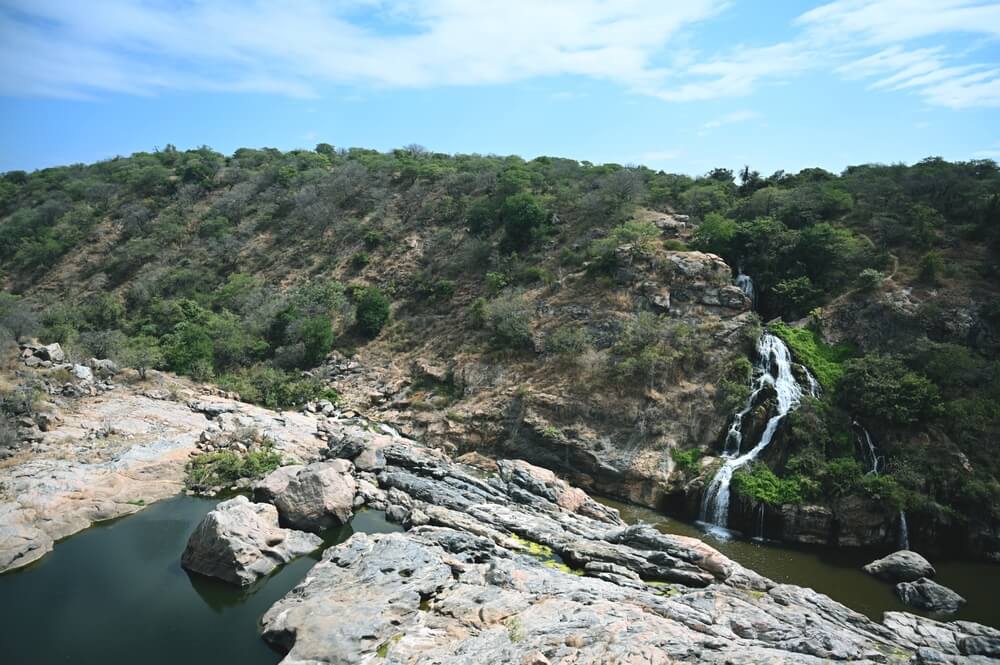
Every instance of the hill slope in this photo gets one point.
(558, 310)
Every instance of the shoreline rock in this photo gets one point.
(239, 542)
(901, 566)
(925, 594)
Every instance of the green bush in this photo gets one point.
(876, 387)
(523, 220)
(223, 468)
(508, 318)
(566, 340)
(824, 361)
(759, 484)
(372, 312)
(275, 388)
(686, 461)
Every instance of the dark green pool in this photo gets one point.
(115, 594)
(837, 572)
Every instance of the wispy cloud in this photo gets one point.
(302, 48)
(73, 49)
(734, 118)
(993, 152)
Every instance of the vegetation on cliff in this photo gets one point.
(250, 269)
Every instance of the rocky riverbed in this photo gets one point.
(512, 565)
(109, 454)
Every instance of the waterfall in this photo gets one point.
(773, 367)
(760, 520)
(746, 285)
(868, 446)
(904, 532)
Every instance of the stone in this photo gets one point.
(318, 496)
(240, 542)
(267, 489)
(82, 373)
(51, 352)
(103, 368)
(901, 566)
(925, 594)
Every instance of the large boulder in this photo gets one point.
(928, 595)
(240, 541)
(901, 566)
(51, 352)
(315, 497)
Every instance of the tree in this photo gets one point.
(876, 387)
(141, 353)
(522, 219)
(16, 318)
(372, 311)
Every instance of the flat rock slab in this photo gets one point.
(239, 542)
(901, 566)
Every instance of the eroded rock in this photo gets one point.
(925, 594)
(317, 496)
(239, 542)
(901, 566)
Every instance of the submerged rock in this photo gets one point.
(240, 541)
(901, 566)
(314, 497)
(928, 595)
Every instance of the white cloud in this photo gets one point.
(69, 48)
(300, 48)
(734, 118)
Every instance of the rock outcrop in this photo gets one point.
(901, 566)
(240, 541)
(313, 497)
(925, 594)
(520, 567)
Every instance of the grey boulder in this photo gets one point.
(239, 542)
(901, 566)
(928, 595)
(314, 497)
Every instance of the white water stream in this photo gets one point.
(772, 369)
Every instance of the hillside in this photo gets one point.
(578, 316)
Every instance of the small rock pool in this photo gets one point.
(116, 594)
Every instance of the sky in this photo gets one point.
(679, 86)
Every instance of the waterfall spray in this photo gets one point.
(904, 532)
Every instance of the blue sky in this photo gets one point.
(682, 86)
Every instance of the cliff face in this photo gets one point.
(570, 412)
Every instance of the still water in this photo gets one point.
(837, 572)
(116, 594)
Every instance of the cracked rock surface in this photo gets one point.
(519, 567)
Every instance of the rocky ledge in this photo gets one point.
(516, 566)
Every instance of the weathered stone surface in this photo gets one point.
(901, 566)
(240, 541)
(317, 496)
(926, 594)
(515, 569)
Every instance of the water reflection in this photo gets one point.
(116, 593)
(836, 572)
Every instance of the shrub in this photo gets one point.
(686, 460)
(223, 468)
(565, 340)
(523, 220)
(372, 311)
(826, 362)
(508, 319)
(877, 387)
(141, 353)
(931, 267)
(275, 388)
(870, 279)
(360, 259)
(760, 484)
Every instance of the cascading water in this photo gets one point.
(865, 439)
(773, 369)
(904, 532)
(746, 285)
(760, 521)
